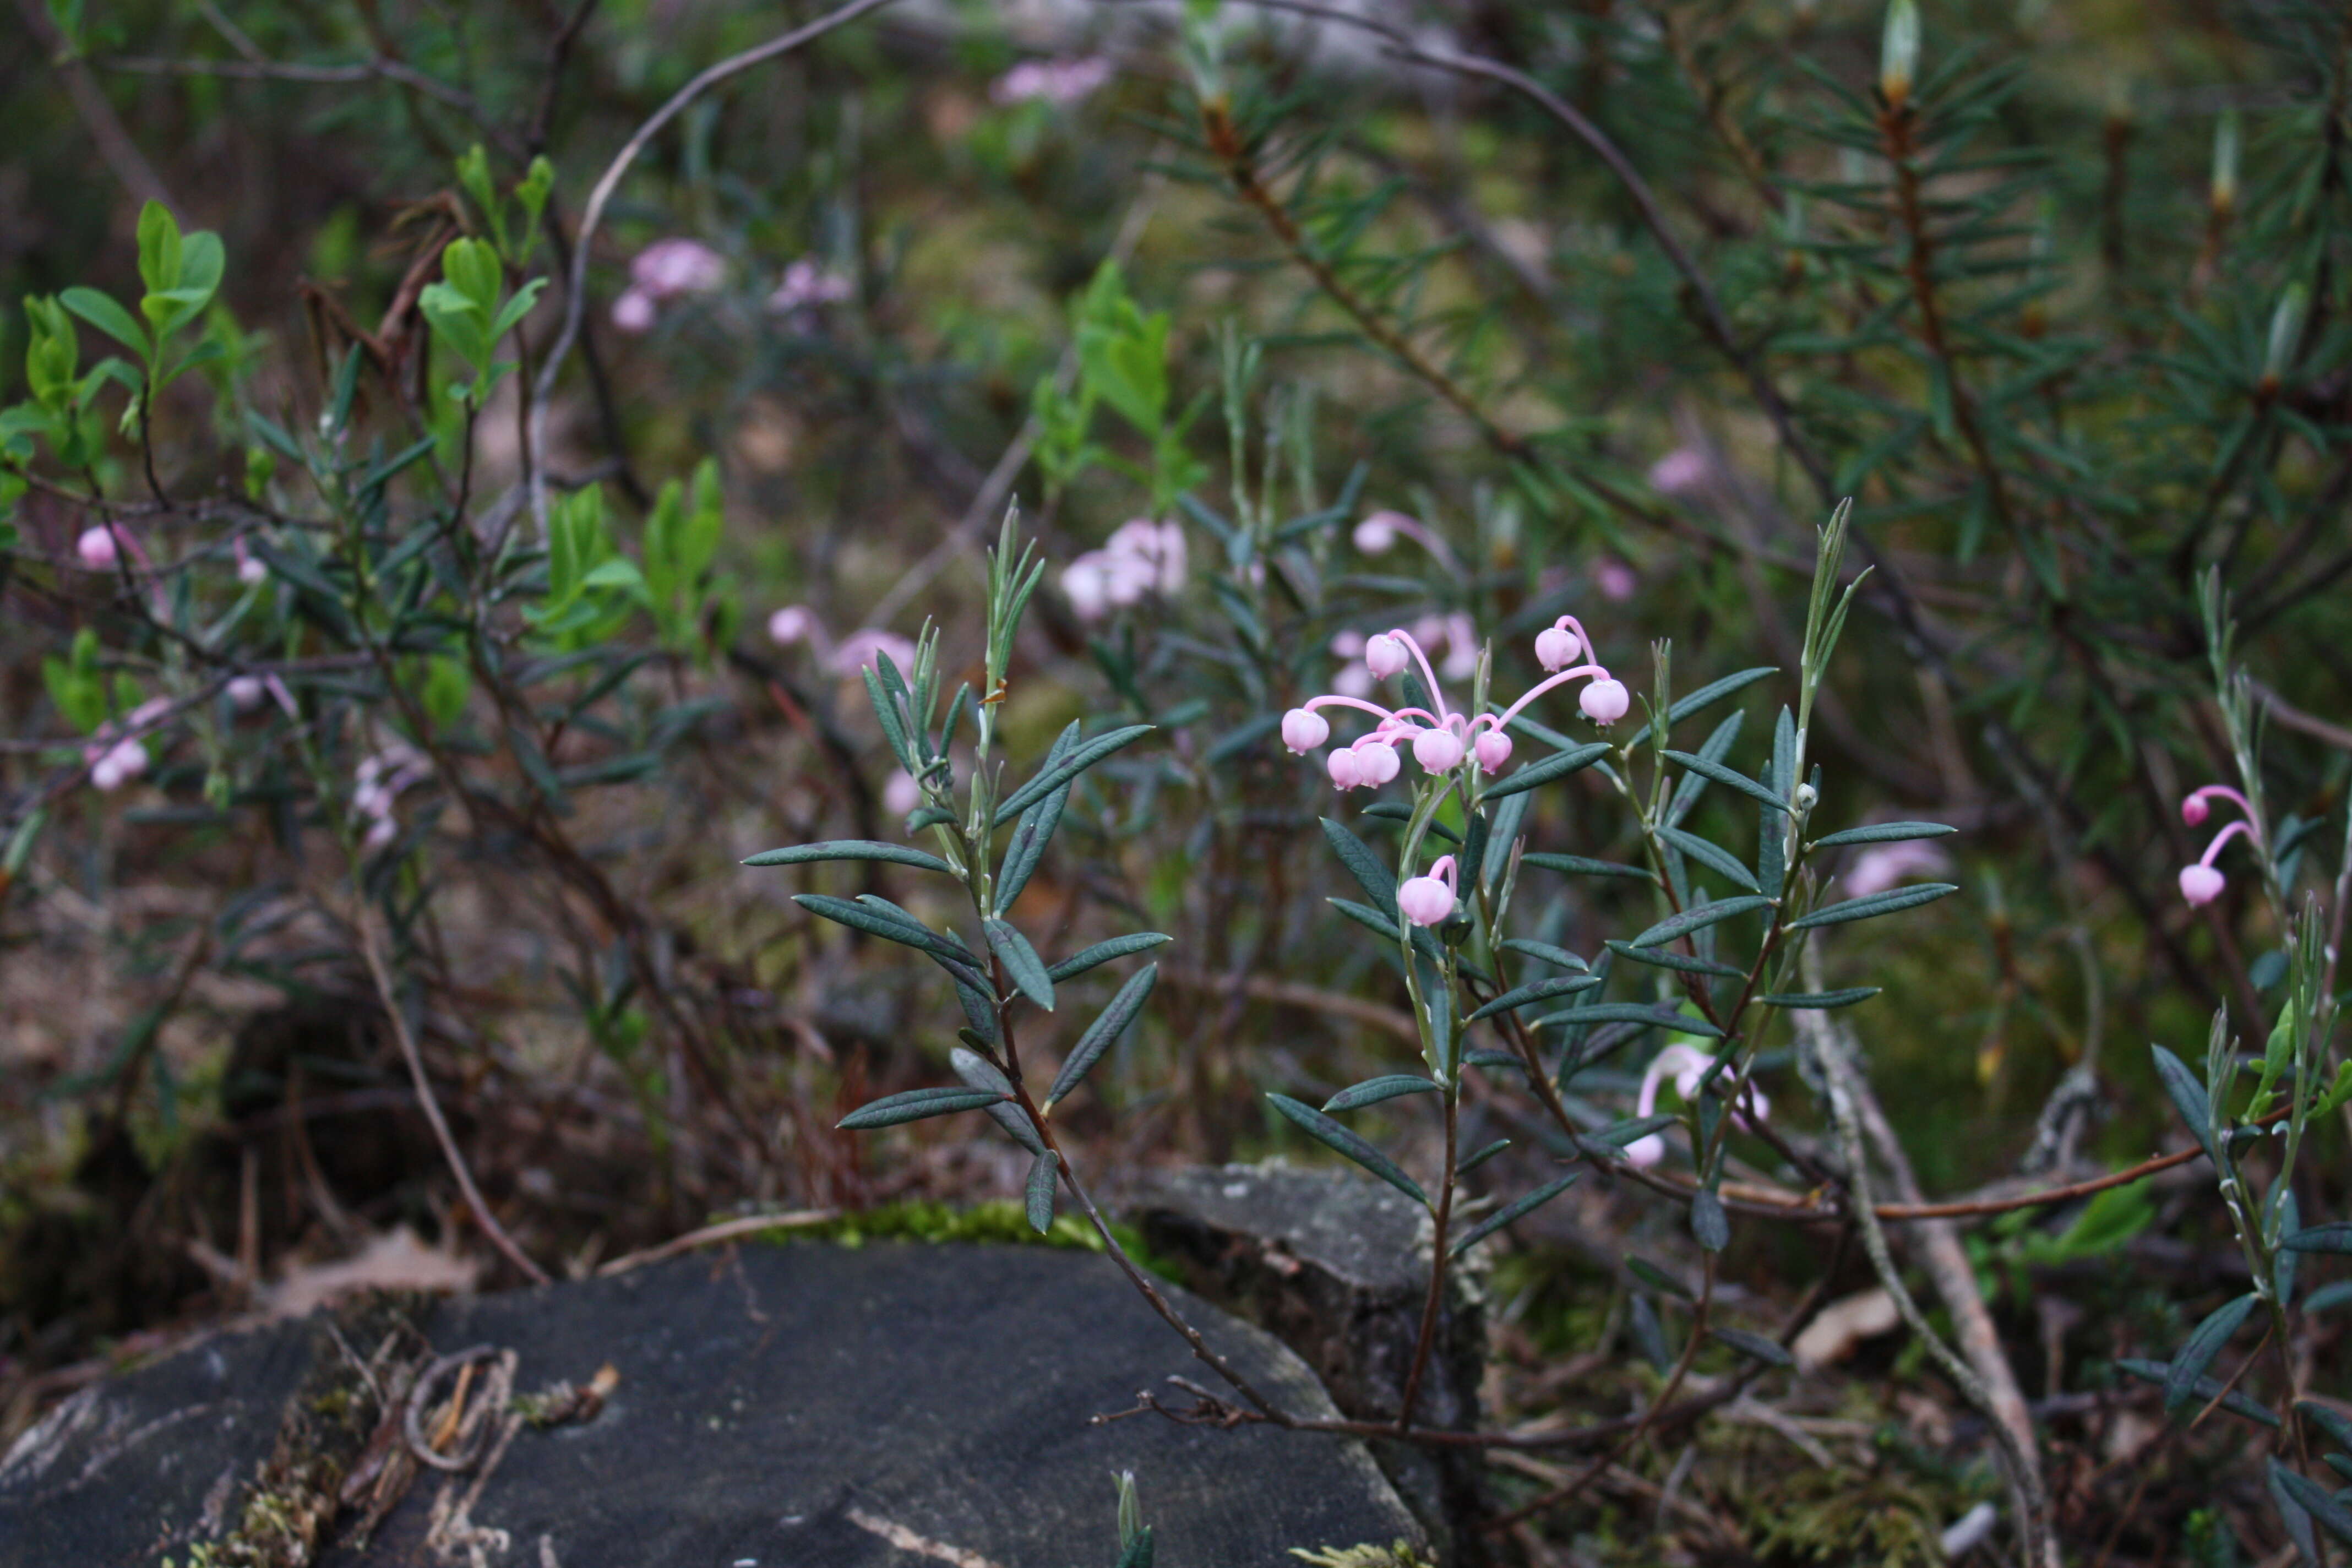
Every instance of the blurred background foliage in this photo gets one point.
(1618, 320)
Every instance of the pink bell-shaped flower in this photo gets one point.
(1605, 701)
(1379, 762)
(1556, 648)
(1426, 900)
(1303, 729)
(2201, 884)
(96, 548)
(1385, 655)
(1347, 769)
(1492, 748)
(1437, 751)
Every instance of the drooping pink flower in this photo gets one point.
(1688, 1067)
(865, 645)
(1680, 472)
(670, 267)
(1616, 581)
(900, 793)
(634, 311)
(1882, 866)
(1441, 739)
(97, 548)
(2202, 882)
(1377, 535)
(806, 285)
(1061, 81)
(1428, 899)
(793, 622)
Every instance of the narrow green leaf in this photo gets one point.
(2313, 1499)
(1035, 828)
(1044, 1176)
(1333, 1136)
(1755, 1347)
(1884, 903)
(1020, 962)
(1055, 774)
(1618, 1134)
(1667, 958)
(1632, 1013)
(2188, 1362)
(1717, 691)
(851, 849)
(1099, 1036)
(1470, 1162)
(900, 929)
(1710, 1226)
(1722, 862)
(1519, 1210)
(1578, 865)
(1818, 999)
(1366, 916)
(1656, 1278)
(1698, 918)
(917, 1104)
(1535, 991)
(1547, 769)
(1729, 778)
(2188, 1097)
(1398, 812)
(2338, 1427)
(1371, 1091)
(1377, 881)
(2333, 1238)
(2233, 1401)
(1102, 952)
(1884, 833)
(1544, 952)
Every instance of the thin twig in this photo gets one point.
(365, 923)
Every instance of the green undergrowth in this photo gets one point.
(997, 1222)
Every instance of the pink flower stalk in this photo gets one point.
(1441, 740)
(1141, 557)
(1877, 868)
(2201, 883)
(1063, 83)
(807, 286)
(1689, 1065)
(1428, 899)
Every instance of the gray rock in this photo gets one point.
(1337, 1268)
(803, 1405)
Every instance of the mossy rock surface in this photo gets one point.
(776, 1405)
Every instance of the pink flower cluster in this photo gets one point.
(376, 787)
(117, 755)
(2200, 883)
(1688, 1067)
(807, 286)
(1064, 81)
(665, 270)
(1140, 557)
(798, 623)
(1442, 739)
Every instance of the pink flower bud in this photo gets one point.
(1437, 751)
(1303, 730)
(1616, 581)
(1379, 762)
(1647, 1151)
(1347, 768)
(790, 624)
(97, 549)
(1376, 535)
(900, 793)
(2201, 884)
(1492, 748)
(634, 311)
(2193, 810)
(1605, 701)
(244, 692)
(1556, 648)
(1385, 655)
(251, 571)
